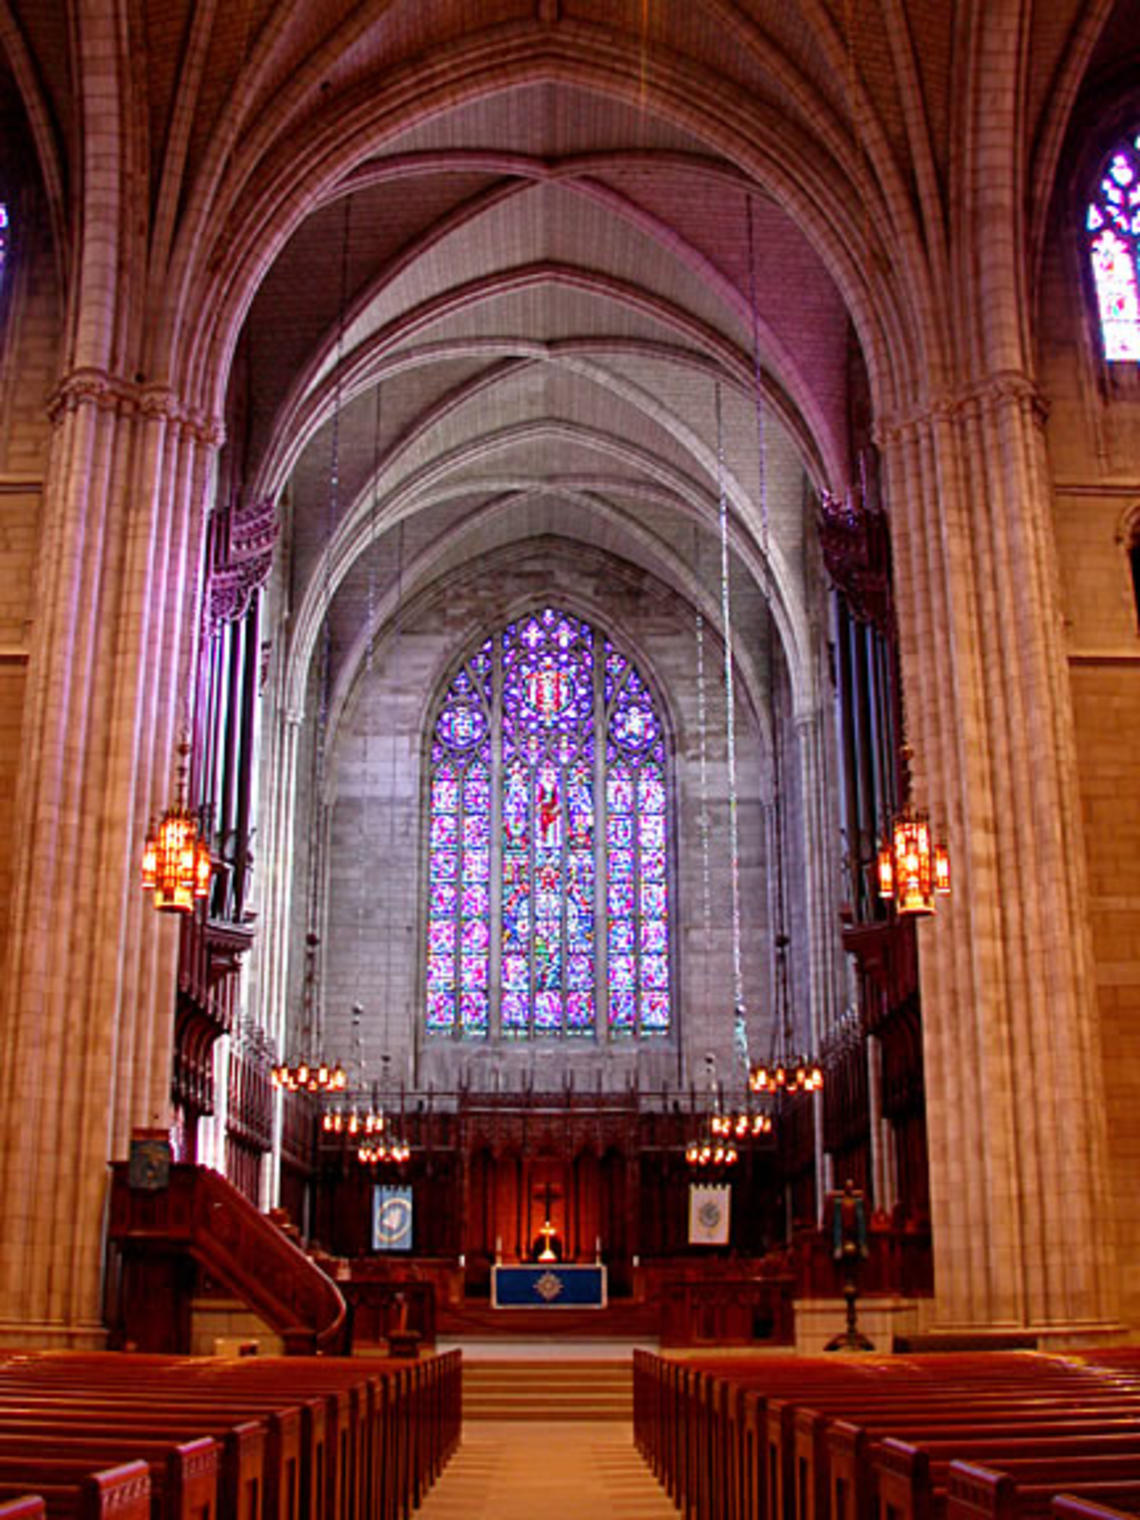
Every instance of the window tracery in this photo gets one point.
(548, 779)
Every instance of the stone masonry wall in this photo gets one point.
(375, 921)
(1094, 443)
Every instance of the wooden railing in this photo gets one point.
(201, 1216)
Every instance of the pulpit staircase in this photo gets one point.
(163, 1240)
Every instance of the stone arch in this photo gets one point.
(890, 317)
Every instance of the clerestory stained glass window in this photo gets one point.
(1112, 232)
(548, 909)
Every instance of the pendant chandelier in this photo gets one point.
(787, 1071)
(914, 868)
(723, 1129)
(309, 1070)
(176, 863)
(310, 1076)
(370, 1131)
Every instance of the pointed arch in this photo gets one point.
(548, 841)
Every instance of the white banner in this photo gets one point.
(710, 1208)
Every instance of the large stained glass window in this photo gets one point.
(548, 841)
(1112, 225)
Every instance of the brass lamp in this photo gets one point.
(176, 863)
(914, 869)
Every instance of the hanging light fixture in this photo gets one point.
(914, 868)
(310, 1071)
(787, 1071)
(176, 863)
(722, 1129)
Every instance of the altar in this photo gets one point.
(548, 1285)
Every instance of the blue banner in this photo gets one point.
(391, 1218)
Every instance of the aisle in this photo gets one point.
(538, 1471)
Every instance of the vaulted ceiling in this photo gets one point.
(491, 271)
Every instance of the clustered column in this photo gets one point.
(89, 997)
(1013, 1075)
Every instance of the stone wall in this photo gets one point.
(1094, 443)
(375, 928)
(29, 363)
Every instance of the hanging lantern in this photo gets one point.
(799, 1074)
(176, 862)
(913, 869)
(310, 1076)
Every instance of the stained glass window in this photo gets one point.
(1112, 233)
(548, 841)
(3, 241)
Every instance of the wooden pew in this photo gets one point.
(721, 1433)
(840, 1484)
(979, 1493)
(913, 1487)
(26, 1507)
(803, 1444)
(110, 1493)
(1065, 1507)
(387, 1427)
(253, 1484)
(183, 1475)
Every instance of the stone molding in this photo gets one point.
(1002, 389)
(91, 386)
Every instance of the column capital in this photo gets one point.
(990, 394)
(92, 386)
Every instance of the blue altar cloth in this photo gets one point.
(549, 1285)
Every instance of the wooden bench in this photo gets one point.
(251, 1482)
(980, 1493)
(840, 1482)
(342, 1439)
(110, 1493)
(1071, 1507)
(26, 1507)
(183, 1475)
(724, 1435)
(912, 1486)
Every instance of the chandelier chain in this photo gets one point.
(740, 1027)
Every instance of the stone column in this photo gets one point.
(1013, 1076)
(87, 1016)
